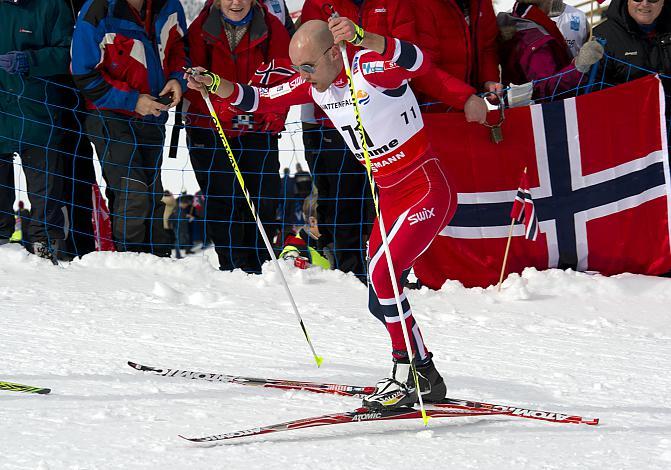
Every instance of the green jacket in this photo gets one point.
(43, 28)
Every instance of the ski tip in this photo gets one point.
(319, 360)
(43, 391)
(196, 440)
(140, 367)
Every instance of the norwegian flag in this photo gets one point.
(524, 209)
(599, 175)
(272, 73)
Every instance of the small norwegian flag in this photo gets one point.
(273, 72)
(524, 210)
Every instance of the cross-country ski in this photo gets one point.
(359, 415)
(361, 391)
(315, 387)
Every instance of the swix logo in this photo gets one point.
(23, 30)
(422, 215)
(367, 416)
(631, 53)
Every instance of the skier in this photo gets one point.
(415, 196)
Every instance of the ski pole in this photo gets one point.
(250, 203)
(383, 232)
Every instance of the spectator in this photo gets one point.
(30, 118)
(24, 216)
(198, 233)
(170, 204)
(534, 50)
(17, 235)
(181, 222)
(638, 33)
(233, 38)
(302, 247)
(125, 56)
(573, 25)
(303, 187)
(460, 37)
(285, 210)
(302, 183)
(344, 205)
(78, 163)
(279, 9)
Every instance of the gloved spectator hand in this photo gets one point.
(15, 62)
(590, 53)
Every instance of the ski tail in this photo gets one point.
(14, 387)
(357, 416)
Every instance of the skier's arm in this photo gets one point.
(397, 61)
(249, 98)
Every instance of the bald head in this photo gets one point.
(312, 38)
(313, 45)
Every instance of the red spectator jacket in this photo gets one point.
(393, 18)
(384, 17)
(466, 52)
(265, 41)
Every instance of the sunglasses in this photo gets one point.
(649, 1)
(310, 68)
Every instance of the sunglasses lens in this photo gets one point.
(307, 68)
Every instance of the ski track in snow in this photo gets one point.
(555, 340)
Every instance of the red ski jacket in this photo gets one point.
(265, 46)
(466, 51)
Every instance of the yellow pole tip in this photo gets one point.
(319, 360)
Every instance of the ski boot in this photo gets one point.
(399, 389)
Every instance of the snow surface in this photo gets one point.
(559, 341)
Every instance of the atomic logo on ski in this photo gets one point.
(367, 416)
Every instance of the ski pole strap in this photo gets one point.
(357, 39)
(216, 81)
(174, 136)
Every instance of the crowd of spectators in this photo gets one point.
(126, 59)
